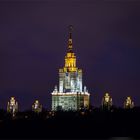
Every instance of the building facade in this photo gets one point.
(70, 95)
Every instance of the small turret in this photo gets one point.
(128, 103)
(37, 107)
(106, 101)
(12, 106)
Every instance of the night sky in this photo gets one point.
(33, 43)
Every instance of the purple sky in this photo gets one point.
(33, 43)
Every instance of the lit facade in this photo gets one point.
(37, 107)
(12, 106)
(106, 101)
(70, 95)
(128, 104)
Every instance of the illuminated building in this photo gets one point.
(12, 106)
(106, 101)
(128, 104)
(37, 107)
(70, 95)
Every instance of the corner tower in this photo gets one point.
(70, 95)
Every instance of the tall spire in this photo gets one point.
(70, 58)
(70, 27)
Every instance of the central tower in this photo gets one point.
(70, 95)
(70, 77)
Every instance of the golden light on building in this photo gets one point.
(12, 106)
(37, 107)
(128, 103)
(106, 101)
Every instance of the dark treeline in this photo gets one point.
(90, 123)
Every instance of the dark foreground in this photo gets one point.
(83, 124)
